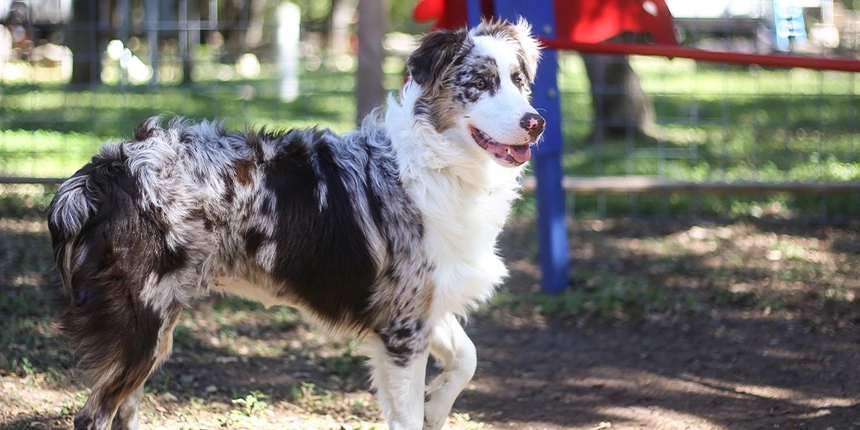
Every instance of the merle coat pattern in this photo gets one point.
(386, 233)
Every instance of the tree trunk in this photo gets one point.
(620, 106)
(369, 89)
(341, 16)
(256, 24)
(84, 43)
(233, 13)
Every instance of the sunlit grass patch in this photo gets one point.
(45, 153)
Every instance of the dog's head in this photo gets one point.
(476, 85)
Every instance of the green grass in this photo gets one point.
(724, 124)
(49, 132)
(617, 298)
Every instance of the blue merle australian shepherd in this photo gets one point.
(387, 233)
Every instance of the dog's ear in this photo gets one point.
(435, 52)
(522, 33)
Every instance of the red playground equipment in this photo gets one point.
(586, 21)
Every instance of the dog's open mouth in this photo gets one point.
(508, 154)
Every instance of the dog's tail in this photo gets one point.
(77, 202)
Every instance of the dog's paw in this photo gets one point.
(437, 424)
(435, 408)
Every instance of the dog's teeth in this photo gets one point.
(508, 151)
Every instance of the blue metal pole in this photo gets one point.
(552, 231)
(473, 12)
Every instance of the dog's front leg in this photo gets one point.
(453, 348)
(398, 358)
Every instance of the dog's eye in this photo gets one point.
(480, 83)
(518, 80)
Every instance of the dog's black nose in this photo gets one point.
(533, 123)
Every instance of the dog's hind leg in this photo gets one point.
(398, 358)
(118, 347)
(126, 414)
(453, 348)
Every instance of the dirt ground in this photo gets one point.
(758, 329)
(728, 372)
(682, 325)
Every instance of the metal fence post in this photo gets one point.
(152, 28)
(473, 12)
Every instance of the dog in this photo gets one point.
(387, 233)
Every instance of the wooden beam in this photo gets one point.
(626, 184)
(669, 51)
(646, 184)
(27, 180)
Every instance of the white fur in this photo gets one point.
(399, 389)
(456, 352)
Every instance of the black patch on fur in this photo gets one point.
(171, 260)
(323, 254)
(437, 50)
(253, 141)
(199, 214)
(266, 205)
(402, 340)
(144, 130)
(254, 239)
(229, 188)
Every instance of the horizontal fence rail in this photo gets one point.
(668, 51)
(31, 180)
(647, 184)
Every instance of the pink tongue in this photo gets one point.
(521, 153)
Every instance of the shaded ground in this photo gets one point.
(729, 373)
(745, 325)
